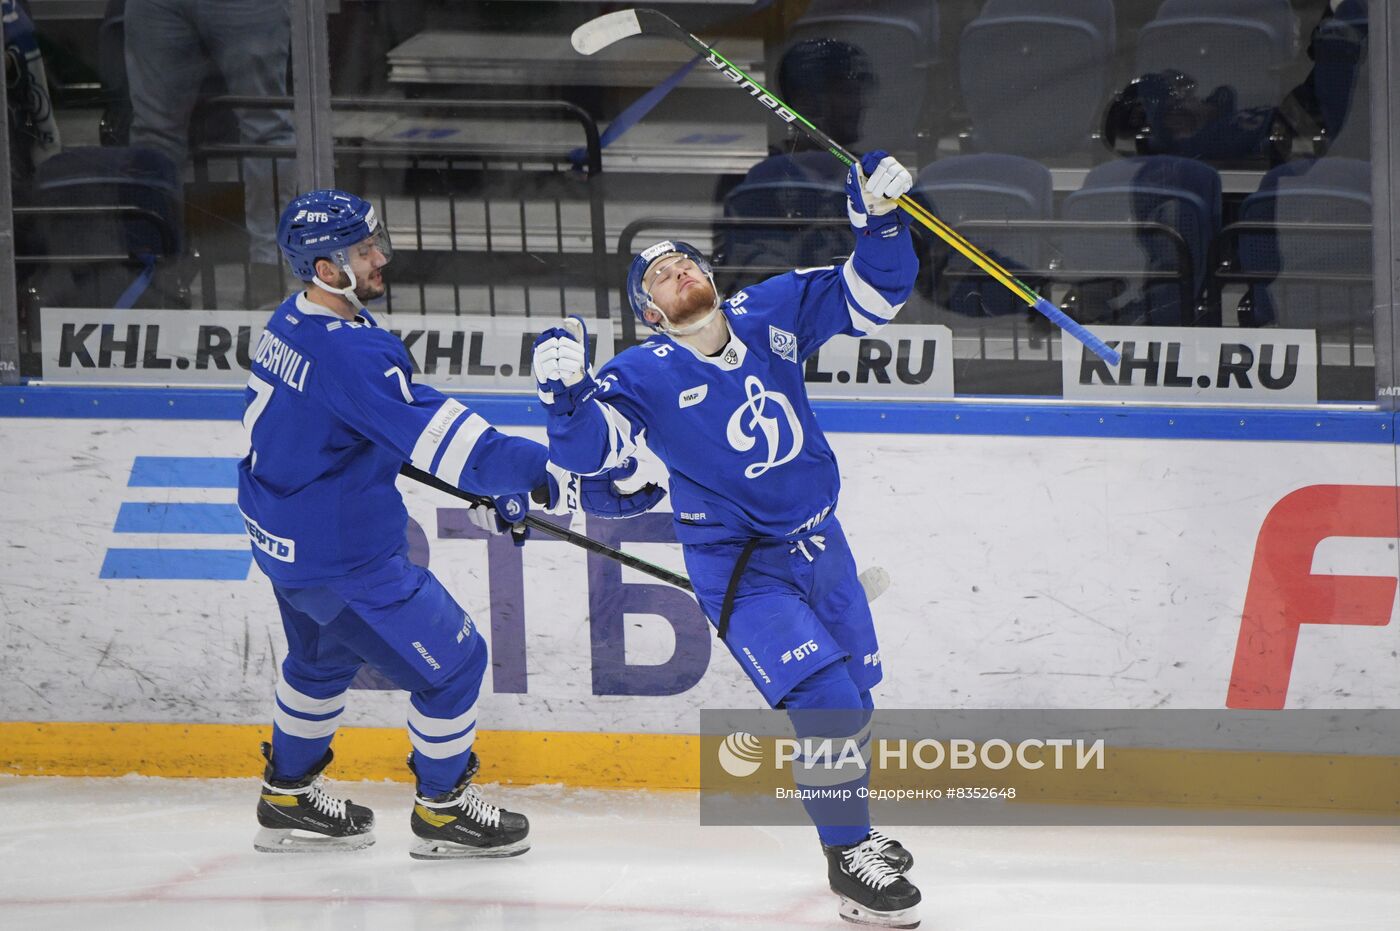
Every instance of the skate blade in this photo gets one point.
(288, 840)
(858, 914)
(424, 849)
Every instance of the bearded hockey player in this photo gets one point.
(718, 395)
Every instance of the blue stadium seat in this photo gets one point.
(1311, 192)
(1034, 75)
(1237, 44)
(899, 39)
(111, 183)
(803, 186)
(988, 187)
(1179, 193)
(1342, 80)
(1098, 13)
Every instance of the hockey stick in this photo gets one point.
(875, 581)
(602, 31)
(554, 530)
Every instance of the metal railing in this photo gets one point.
(1354, 324)
(1183, 275)
(439, 176)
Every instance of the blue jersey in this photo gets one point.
(736, 430)
(332, 414)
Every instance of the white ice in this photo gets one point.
(151, 854)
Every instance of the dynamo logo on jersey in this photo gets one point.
(783, 343)
(743, 432)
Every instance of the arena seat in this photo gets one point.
(1178, 193)
(1312, 192)
(802, 186)
(1022, 99)
(987, 187)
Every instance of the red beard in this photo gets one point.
(692, 304)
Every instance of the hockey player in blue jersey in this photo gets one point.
(332, 414)
(718, 395)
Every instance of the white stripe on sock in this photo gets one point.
(293, 726)
(300, 701)
(445, 750)
(440, 727)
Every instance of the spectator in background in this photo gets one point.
(1330, 105)
(33, 130)
(829, 82)
(169, 46)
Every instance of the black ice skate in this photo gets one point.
(871, 892)
(461, 824)
(891, 851)
(297, 816)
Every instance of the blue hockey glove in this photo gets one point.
(601, 497)
(565, 492)
(873, 187)
(504, 513)
(561, 366)
(559, 495)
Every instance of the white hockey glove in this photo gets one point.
(874, 185)
(505, 513)
(561, 366)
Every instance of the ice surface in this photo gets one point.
(151, 854)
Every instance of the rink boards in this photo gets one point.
(1041, 556)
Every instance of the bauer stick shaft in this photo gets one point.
(554, 530)
(603, 31)
(874, 581)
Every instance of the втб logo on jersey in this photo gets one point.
(750, 420)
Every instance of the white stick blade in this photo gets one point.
(597, 34)
(875, 580)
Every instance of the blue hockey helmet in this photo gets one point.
(324, 225)
(637, 294)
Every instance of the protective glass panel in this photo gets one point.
(151, 145)
(472, 127)
(1189, 179)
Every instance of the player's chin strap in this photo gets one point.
(347, 292)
